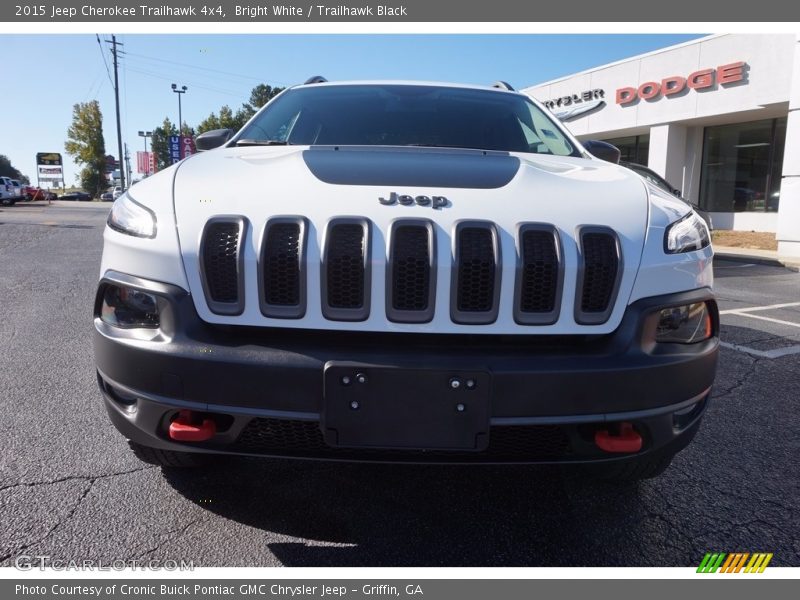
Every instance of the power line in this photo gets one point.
(103, 55)
(244, 95)
(210, 79)
(210, 70)
(94, 88)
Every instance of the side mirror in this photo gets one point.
(212, 139)
(677, 193)
(603, 150)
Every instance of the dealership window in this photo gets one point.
(742, 166)
(633, 148)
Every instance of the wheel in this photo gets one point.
(645, 467)
(169, 458)
(9, 202)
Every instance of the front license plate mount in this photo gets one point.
(379, 407)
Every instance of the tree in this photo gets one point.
(262, 94)
(210, 123)
(227, 119)
(8, 170)
(160, 143)
(86, 145)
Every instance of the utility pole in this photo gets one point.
(127, 164)
(114, 43)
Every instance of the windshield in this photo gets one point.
(407, 115)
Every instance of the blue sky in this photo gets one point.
(53, 72)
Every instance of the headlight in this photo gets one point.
(128, 216)
(128, 308)
(684, 324)
(686, 235)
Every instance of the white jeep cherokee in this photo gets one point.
(412, 272)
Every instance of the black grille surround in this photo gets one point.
(599, 274)
(507, 443)
(411, 271)
(346, 270)
(222, 264)
(475, 281)
(282, 268)
(540, 275)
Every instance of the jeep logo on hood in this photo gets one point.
(435, 202)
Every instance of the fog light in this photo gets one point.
(129, 308)
(685, 324)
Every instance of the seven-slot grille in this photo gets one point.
(345, 271)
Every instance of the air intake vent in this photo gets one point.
(221, 265)
(599, 275)
(283, 269)
(346, 270)
(476, 274)
(539, 276)
(411, 272)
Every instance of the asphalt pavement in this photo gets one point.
(71, 489)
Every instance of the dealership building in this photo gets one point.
(718, 118)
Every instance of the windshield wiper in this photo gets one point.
(251, 142)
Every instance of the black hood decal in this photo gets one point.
(413, 167)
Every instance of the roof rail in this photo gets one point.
(502, 85)
(315, 79)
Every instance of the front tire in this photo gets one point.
(169, 458)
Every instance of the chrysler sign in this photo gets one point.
(676, 84)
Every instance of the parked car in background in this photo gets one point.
(17, 186)
(107, 196)
(76, 196)
(31, 192)
(657, 180)
(117, 192)
(7, 194)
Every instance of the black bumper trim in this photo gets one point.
(565, 440)
(278, 373)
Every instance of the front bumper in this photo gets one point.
(266, 387)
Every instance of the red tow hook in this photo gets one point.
(187, 429)
(627, 440)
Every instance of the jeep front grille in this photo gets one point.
(411, 273)
(283, 268)
(599, 274)
(346, 270)
(539, 277)
(221, 265)
(413, 249)
(476, 274)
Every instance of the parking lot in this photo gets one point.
(70, 488)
